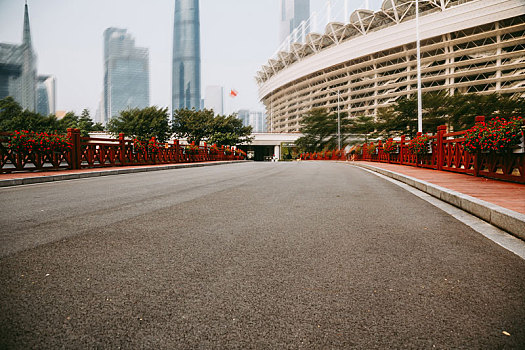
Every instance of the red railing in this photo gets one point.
(447, 152)
(92, 152)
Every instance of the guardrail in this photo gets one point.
(446, 152)
(92, 152)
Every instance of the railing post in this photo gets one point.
(391, 141)
(477, 157)
(153, 154)
(74, 138)
(122, 146)
(440, 146)
(177, 150)
(401, 149)
(379, 150)
(205, 152)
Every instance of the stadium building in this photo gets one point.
(467, 46)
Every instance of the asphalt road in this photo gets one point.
(263, 255)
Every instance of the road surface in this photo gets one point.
(306, 255)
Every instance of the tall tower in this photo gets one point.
(293, 12)
(186, 74)
(28, 77)
(126, 73)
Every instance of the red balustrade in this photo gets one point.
(92, 152)
(446, 152)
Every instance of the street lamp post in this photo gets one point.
(338, 123)
(419, 95)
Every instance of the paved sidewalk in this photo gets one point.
(15, 179)
(498, 202)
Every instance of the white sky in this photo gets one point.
(237, 37)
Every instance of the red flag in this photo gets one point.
(233, 93)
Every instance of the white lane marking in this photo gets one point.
(500, 237)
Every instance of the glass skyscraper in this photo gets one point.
(186, 74)
(45, 95)
(126, 73)
(293, 12)
(18, 74)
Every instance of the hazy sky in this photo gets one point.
(237, 37)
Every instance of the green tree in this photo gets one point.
(192, 124)
(13, 117)
(84, 123)
(229, 130)
(462, 109)
(142, 124)
(320, 130)
(363, 125)
(401, 118)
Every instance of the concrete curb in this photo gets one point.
(131, 170)
(506, 219)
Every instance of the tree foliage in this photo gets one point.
(142, 124)
(84, 123)
(203, 125)
(192, 124)
(13, 117)
(229, 130)
(320, 130)
(457, 111)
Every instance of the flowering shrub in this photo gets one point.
(139, 146)
(371, 149)
(192, 149)
(419, 145)
(228, 151)
(496, 135)
(25, 142)
(153, 147)
(390, 147)
(328, 154)
(214, 149)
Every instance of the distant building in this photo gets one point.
(18, 77)
(186, 70)
(99, 113)
(60, 114)
(126, 73)
(46, 95)
(257, 120)
(293, 12)
(214, 99)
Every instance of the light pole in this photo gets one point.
(419, 95)
(338, 123)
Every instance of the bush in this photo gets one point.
(43, 143)
(390, 147)
(496, 135)
(419, 145)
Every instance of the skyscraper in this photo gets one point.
(126, 73)
(18, 69)
(214, 99)
(186, 74)
(257, 120)
(45, 95)
(293, 12)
